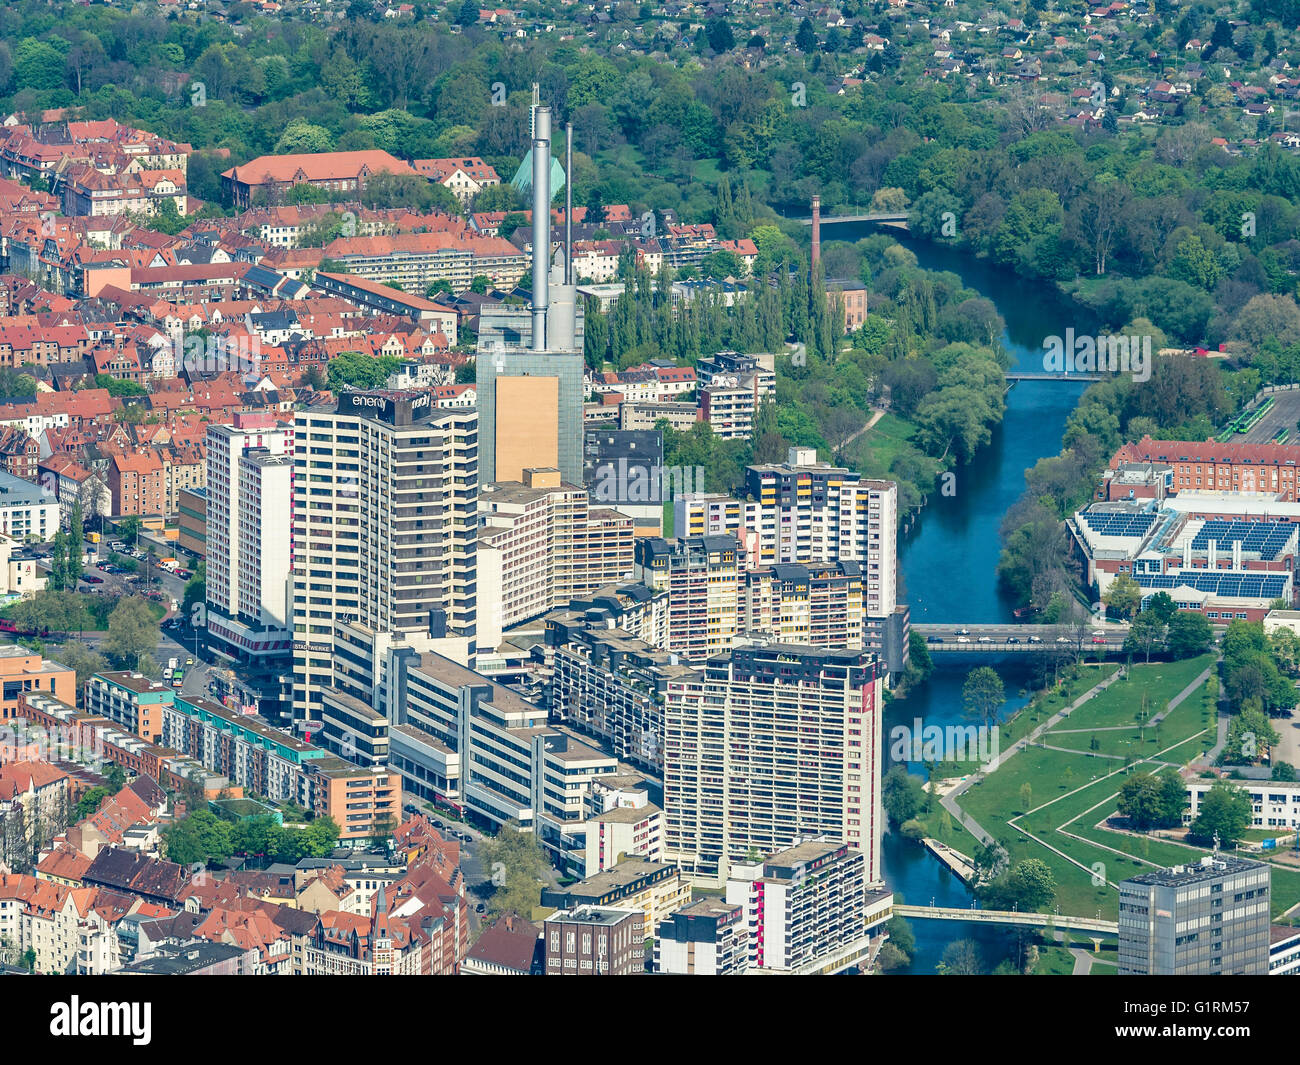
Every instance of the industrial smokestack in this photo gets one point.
(568, 203)
(816, 230)
(541, 222)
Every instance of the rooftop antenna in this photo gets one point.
(568, 203)
(541, 222)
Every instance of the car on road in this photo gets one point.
(1099, 632)
(1013, 639)
(1035, 639)
(963, 639)
(963, 632)
(91, 579)
(480, 908)
(1063, 639)
(1099, 639)
(986, 639)
(436, 823)
(189, 661)
(934, 639)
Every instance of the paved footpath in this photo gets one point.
(949, 801)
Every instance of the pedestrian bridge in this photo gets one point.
(1011, 917)
(891, 217)
(1053, 375)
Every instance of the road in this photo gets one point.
(1020, 638)
(179, 643)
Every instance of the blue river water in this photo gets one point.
(948, 560)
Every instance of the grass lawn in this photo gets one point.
(1054, 961)
(1155, 685)
(1064, 798)
(890, 437)
(1034, 713)
(1061, 788)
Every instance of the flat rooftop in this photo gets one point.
(625, 873)
(1206, 869)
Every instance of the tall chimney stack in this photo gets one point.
(568, 203)
(816, 230)
(541, 223)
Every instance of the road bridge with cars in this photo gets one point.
(958, 638)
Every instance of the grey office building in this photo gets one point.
(1206, 919)
(493, 364)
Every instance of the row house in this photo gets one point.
(137, 484)
(87, 191)
(416, 260)
(74, 485)
(19, 452)
(270, 176)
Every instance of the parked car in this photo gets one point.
(91, 579)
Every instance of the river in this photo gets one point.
(948, 561)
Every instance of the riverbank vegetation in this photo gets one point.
(926, 365)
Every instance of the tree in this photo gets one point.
(720, 37)
(1029, 887)
(991, 861)
(132, 632)
(1189, 634)
(1225, 812)
(889, 958)
(467, 14)
(1140, 800)
(1146, 633)
(983, 694)
(1162, 606)
(961, 958)
(514, 862)
(1123, 597)
(1173, 799)
(901, 794)
(806, 37)
(81, 658)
